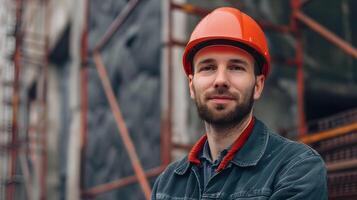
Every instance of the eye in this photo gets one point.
(207, 68)
(236, 68)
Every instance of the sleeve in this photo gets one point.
(305, 179)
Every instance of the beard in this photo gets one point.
(225, 117)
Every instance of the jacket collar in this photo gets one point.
(254, 148)
(249, 155)
(182, 166)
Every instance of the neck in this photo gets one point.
(220, 138)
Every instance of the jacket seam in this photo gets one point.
(298, 162)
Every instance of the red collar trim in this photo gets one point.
(238, 144)
(193, 155)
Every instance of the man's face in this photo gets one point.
(224, 85)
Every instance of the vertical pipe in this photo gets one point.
(296, 6)
(14, 143)
(300, 85)
(84, 94)
(43, 132)
(13, 148)
(166, 140)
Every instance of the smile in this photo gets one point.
(220, 99)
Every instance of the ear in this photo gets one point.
(259, 86)
(190, 84)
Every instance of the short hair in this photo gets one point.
(257, 68)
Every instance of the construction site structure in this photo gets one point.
(24, 102)
(7, 49)
(24, 92)
(23, 132)
(335, 138)
(174, 91)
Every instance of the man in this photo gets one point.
(227, 62)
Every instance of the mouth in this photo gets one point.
(220, 99)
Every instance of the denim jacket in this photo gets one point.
(267, 167)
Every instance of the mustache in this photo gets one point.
(220, 92)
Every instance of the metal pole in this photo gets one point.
(327, 134)
(43, 132)
(300, 84)
(84, 94)
(119, 20)
(325, 33)
(123, 130)
(166, 126)
(13, 148)
(94, 191)
(14, 144)
(296, 5)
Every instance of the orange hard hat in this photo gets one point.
(228, 26)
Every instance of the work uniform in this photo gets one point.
(267, 166)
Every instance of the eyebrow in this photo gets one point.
(238, 61)
(205, 61)
(210, 60)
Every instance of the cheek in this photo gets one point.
(241, 84)
(202, 83)
(244, 86)
(198, 88)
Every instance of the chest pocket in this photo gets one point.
(218, 195)
(161, 196)
(261, 194)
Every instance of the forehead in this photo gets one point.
(222, 52)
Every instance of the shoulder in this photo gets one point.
(290, 147)
(294, 155)
(277, 144)
(297, 165)
(178, 167)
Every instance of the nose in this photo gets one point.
(221, 80)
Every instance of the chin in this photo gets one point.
(221, 114)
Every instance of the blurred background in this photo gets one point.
(94, 103)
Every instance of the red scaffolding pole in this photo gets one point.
(20, 143)
(43, 132)
(13, 148)
(123, 130)
(327, 34)
(299, 60)
(140, 174)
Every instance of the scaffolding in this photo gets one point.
(298, 18)
(140, 174)
(26, 141)
(335, 138)
(36, 133)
